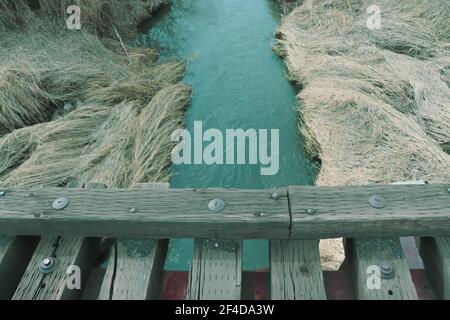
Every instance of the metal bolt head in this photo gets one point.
(60, 203)
(448, 190)
(387, 270)
(47, 262)
(311, 211)
(377, 201)
(2, 193)
(132, 210)
(276, 196)
(216, 205)
(47, 265)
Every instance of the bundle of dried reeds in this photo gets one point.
(73, 104)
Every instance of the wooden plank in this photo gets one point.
(15, 254)
(36, 285)
(157, 214)
(295, 270)
(435, 253)
(68, 252)
(135, 268)
(345, 211)
(216, 271)
(419, 210)
(365, 255)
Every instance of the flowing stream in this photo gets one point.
(238, 82)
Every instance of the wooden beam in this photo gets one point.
(411, 210)
(36, 285)
(135, 267)
(135, 270)
(364, 256)
(15, 254)
(295, 270)
(435, 253)
(345, 211)
(68, 252)
(216, 272)
(158, 214)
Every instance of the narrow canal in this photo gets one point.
(238, 82)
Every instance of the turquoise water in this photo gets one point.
(238, 82)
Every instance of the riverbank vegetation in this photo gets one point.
(375, 103)
(374, 99)
(81, 103)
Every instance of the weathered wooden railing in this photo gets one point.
(294, 219)
(293, 213)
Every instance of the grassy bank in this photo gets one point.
(375, 103)
(80, 103)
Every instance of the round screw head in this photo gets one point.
(387, 270)
(132, 210)
(377, 201)
(47, 262)
(448, 190)
(276, 196)
(60, 203)
(311, 211)
(47, 265)
(2, 193)
(216, 205)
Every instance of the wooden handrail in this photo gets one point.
(295, 212)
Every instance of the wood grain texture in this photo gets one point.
(15, 254)
(53, 286)
(216, 271)
(346, 212)
(157, 214)
(295, 270)
(137, 272)
(411, 210)
(68, 251)
(361, 254)
(135, 268)
(435, 253)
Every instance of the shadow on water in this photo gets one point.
(238, 82)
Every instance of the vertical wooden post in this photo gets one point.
(364, 256)
(216, 271)
(135, 268)
(295, 270)
(68, 252)
(435, 253)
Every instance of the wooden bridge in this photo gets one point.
(46, 231)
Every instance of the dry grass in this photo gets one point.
(375, 103)
(117, 145)
(98, 16)
(75, 105)
(288, 5)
